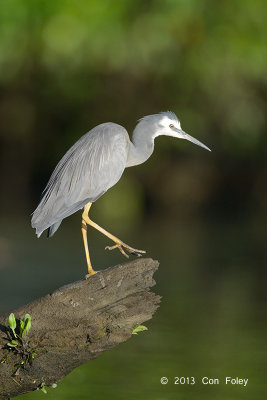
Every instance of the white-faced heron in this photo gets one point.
(93, 165)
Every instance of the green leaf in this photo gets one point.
(43, 388)
(139, 328)
(12, 323)
(32, 355)
(22, 325)
(10, 344)
(28, 324)
(4, 360)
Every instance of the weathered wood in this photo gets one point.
(78, 322)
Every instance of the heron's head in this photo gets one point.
(166, 123)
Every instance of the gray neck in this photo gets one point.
(142, 145)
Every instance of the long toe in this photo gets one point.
(124, 247)
(135, 252)
(117, 246)
(132, 249)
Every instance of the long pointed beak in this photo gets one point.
(184, 135)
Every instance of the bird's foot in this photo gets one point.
(91, 272)
(87, 276)
(124, 247)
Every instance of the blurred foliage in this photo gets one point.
(67, 66)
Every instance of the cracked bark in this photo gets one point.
(77, 322)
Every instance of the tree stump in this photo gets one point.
(76, 323)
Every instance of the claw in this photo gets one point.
(124, 247)
(136, 254)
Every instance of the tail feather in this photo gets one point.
(53, 228)
(49, 215)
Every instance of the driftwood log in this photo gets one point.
(78, 322)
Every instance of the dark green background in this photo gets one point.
(66, 66)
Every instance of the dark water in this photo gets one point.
(210, 324)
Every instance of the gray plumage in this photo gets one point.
(95, 163)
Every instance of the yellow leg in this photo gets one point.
(85, 242)
(118, 243)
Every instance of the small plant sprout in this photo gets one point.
(13, 343)
(19, 342)
(25, 325)
(12, 323)
(43, 388)
(4, 360)
(24, 328)
(139, 328)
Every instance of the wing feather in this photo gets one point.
(88, 169)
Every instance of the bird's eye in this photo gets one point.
(171, 126)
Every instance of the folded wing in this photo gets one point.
(88, 169)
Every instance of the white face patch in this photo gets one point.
(165, 129)
(166, 122)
